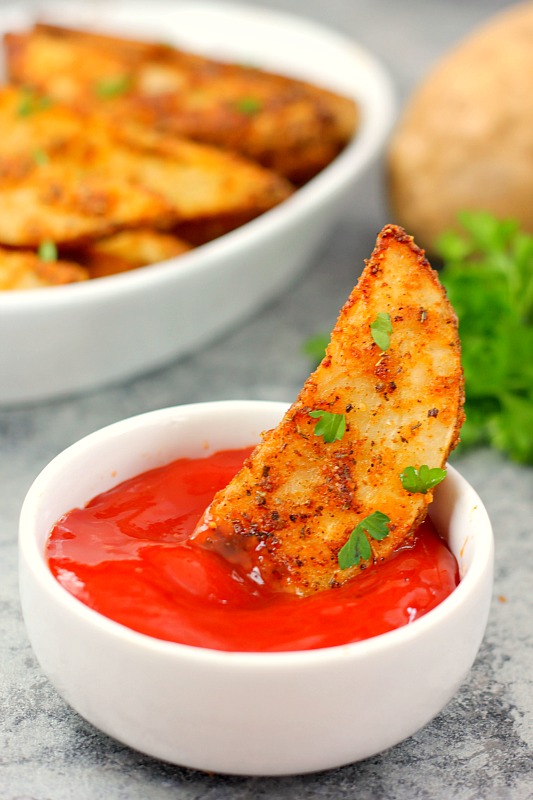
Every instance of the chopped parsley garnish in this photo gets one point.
(30, 102)
(358, 548)
(330, 426)
(47, 251)
(113, 87)
(488, 275)
(40, 157)
(248, 105)
(422, 480)
(315, 347)
(381, 330)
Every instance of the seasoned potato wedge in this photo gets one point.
(298, 497)
(287, 125)
(127, 250)
(55, 181)
(72, 179)
(70, 201)
(32, 131)
(201, 184)
(22, 269)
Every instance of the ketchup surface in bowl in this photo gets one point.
(128, 555)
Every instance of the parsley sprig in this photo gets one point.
(421, 480)
(358, 548)
(381, 330)
(488, 274)
(315, 346)
(330, 426)
(30, 102)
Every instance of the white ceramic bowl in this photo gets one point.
(63, 340)
(242, 713)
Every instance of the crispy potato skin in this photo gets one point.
(286, 125)
(296, 500)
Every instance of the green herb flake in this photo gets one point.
(47, 251)
(248, 106)
(381, 330)
(40, 157)
(315, 347)
(107, 88)
(358, 548)
(422, 480)
(488, 275)
(330, 426)
(30, 103)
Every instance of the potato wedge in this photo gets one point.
(132, 249)
(203, 186)
(287, 125)
(296, 500)
(32, 131)
(71, 202)
(55, 181)
(22, 269)
(72, 179)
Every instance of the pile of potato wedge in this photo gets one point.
(117, 153)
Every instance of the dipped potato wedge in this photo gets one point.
(397, 404)
(287, 125)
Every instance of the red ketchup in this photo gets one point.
(128, 555)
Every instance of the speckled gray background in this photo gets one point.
(480, 747)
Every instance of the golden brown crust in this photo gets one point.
(73, 179)
(287, 125)
(296, 500)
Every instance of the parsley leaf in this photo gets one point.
(381, 330)
(330, 426)
(113, 87)
(488, 275)
(40, 157)
(248, 105)
(30, 103)
(315, 347)
(47, 251)
(357, 548)
(420, 481)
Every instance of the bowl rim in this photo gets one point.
(378, 111)
(34, 558)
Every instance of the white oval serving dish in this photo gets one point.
(67, 339)
(242, 713)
